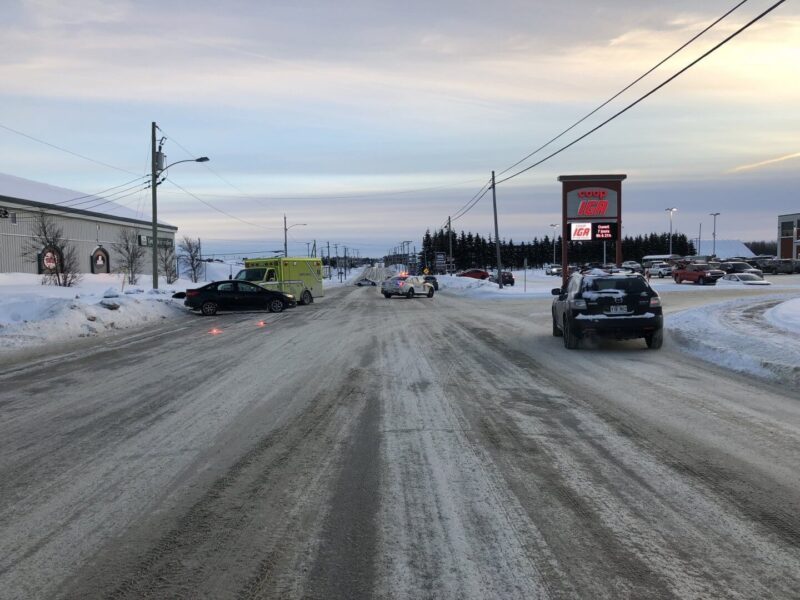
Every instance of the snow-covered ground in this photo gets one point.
(754, 334)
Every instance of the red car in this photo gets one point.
(475, 274)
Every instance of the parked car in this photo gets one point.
(507, 277)
(699, 273)
(432, 280)
(778, 265)
(739, 267)
(365, 281)
(743, 279)
(475, 274)
(553, 270)
(620, 306)
(661, 270)
(236, 295)
(632, 265)
(406, 285)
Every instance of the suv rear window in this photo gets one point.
(632, 285)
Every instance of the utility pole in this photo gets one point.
(699, 237)
(345, 262)
(450, 240)
(496, 236)
(330, 266)
(153, 185)
(714, 234)
(285, 237)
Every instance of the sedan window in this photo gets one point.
(225, 287)
(249, 287)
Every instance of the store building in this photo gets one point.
(91, 224)
(789, 236)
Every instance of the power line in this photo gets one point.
(648, 94)
(623, 90)
(99, 162)
(93, 197)
(211, 206)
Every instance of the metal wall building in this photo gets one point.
(91, 224)
(789, 236)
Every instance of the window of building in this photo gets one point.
(786, 228)
(13, 218)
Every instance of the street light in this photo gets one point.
(285, 235)
(671, 211)
(714, 234)
(554, 226)
(156, 158)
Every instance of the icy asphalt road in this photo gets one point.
(371, 448)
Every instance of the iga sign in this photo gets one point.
(586, 232)
(580, 232)
(591, 202)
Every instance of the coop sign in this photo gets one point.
(592, 203)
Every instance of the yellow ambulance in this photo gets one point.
(300, 277)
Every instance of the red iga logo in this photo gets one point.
(593, 203)
(581, 232)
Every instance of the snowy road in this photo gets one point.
(363, 447)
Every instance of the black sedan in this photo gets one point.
(236, 295)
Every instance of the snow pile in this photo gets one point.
(749, 335)
(32, 314)
(785, 315)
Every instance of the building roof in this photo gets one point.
(724, 248)
(42, 195)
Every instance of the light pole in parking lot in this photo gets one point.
(714, 234)
(671, 211)
(555, 227)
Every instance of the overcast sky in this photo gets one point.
(336, 112)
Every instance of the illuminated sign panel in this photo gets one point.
(592, 202)
(604, 231)
(580, 232)
(586, 232)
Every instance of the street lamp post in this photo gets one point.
(157, 168)
(555, 227)
(714, 234)
(671, 211)
(286, 235)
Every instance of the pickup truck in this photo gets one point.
(699, 273)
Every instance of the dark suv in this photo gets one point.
(621, 306)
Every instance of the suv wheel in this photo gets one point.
(676, 279)
(701, 281)
(386, 295)
(570, 339)
(430, 293)
(654, 340)
(410, 293)
(556, 331)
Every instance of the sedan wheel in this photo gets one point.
(430, 293)
(209, 309)
(275, 305)
(410, 293)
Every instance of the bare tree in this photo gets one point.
(59, 258)
(190, 257)
(131, 255)
(167, 263)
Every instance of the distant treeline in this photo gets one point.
(770, 248)
(473, 250)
